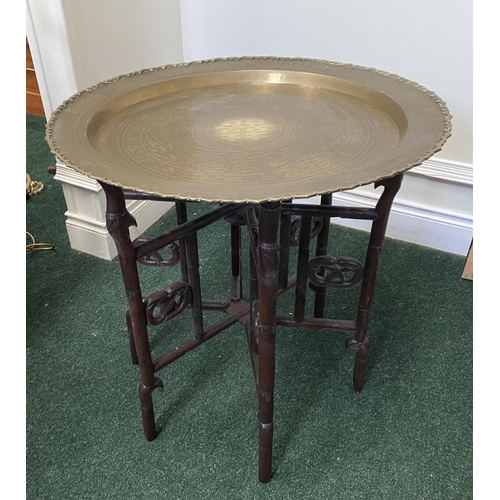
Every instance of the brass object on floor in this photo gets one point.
(33, 188)
(34, 246)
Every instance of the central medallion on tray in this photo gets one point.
(246, 129)
(245, 132)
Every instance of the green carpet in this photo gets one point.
(407, 436)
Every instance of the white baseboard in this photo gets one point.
(445, 170)
(438, 222)
(92, 237)
(415, 224)
(85, 215)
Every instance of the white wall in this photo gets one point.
(429, 41)
(113, 37)
(77, 43)
(47, 35)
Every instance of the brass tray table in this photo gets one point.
(248, 135)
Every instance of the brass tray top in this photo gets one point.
(248, 129)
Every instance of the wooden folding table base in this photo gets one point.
(273, 228)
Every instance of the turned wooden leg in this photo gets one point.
(193, 272)
(302, 262)
(322, 249)
(133, 350)
(118, 220)
(252, 327)
(236, 283)
(181, 214)
(269, 217)
(285, 229)
(359, 340)
(360, 361)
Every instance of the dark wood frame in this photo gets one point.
(269, 226)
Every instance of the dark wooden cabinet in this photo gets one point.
(34, 104)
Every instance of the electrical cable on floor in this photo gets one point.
(34, 246)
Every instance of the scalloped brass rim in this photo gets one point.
(437, 145)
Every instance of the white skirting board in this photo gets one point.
(86, 214)
(420, 225)
(93, 238)
(440, 219)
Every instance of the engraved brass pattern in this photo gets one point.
(341, 272)
(250, 129)
(247, 129)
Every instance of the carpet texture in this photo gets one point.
(407, 436)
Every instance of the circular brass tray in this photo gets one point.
(248, 129)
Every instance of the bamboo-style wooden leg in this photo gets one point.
(194, 282)
(181, 213)
(133, 350)
(254, 283)
(285, 228)
(322, 249)
(118, 220)
(359, 340)
(236, 283)
(251, 326)
(269, 218)
(302, 262)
